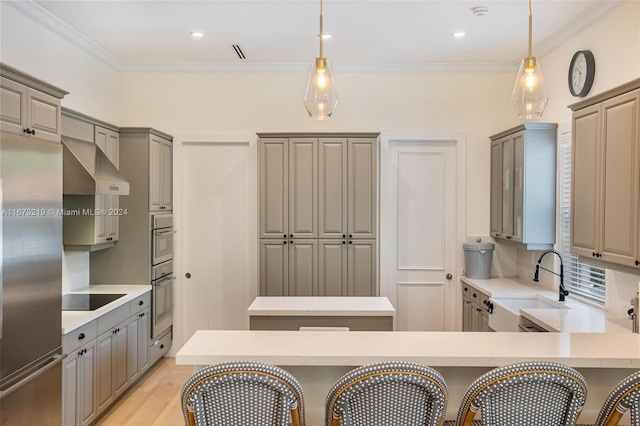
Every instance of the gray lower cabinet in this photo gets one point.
(78, 382)
(347, 268)
(138, 356)
(474, 316)
(289, 267)
(104, 357)
(112, 369)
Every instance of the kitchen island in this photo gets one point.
(319, 358)
(351, 313)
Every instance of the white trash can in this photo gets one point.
(477, 260)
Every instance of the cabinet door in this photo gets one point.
(274, 267)
(69, 389)
(274, 188)
(107, 227)
(621, 185)
(43, 113)
(120, 365)
(138, 349)
(332, 188)
(303, 267)
(361, 268)
(303, 188)
(362, 189)
(585, 187)
(160, 169)
(332, 267)
(86, 393)
(518, 186)
(167, 175)
(496, 189)
(105, 392)
(507, 186)
(13, 106)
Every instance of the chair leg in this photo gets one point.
(295, 417)
(192, 418)
(613, 418)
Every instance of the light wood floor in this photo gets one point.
(153, 400)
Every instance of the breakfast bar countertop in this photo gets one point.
(71, 320)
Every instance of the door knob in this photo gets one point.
(187, 275)
(449, 276)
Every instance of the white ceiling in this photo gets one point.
(368, 35)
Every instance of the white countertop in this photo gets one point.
(321, 306)
(354, 348)
(74, 319)
(580, 318)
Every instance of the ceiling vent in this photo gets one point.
(480, 10)
(239, 51)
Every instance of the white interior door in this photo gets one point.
(216, 214)
(421, 221)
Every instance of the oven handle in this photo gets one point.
(163, 281)
(161, 233)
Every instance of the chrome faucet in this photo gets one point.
(561, 290)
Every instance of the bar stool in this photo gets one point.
(242, 393)
(624, 396)
(387, 394)
(529, 393)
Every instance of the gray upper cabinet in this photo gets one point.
(160, 188)
(318, 214)
(288, 187)
(29, 107)
(274, 188)
(303, 187)
(606, 178)
(347, 188)
(523, 185)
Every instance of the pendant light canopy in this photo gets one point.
(529, 96)
(321, 97)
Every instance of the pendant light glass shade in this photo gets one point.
(529, 96)
(321, 97)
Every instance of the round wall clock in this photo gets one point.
(581, 73)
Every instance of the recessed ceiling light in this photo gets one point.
(196, 34)
(458, 34)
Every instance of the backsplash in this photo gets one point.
(75, 271)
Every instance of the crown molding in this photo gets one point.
(36, 13)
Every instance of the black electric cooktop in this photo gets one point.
(87, 302)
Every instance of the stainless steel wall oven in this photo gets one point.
(162, 278)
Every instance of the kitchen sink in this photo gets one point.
(506, 312)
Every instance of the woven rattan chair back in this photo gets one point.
(242, 393)
(387, 394)
(624, 397)
(529, 393)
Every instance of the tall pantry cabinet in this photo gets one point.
(318, 214)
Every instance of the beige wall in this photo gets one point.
(477, 104)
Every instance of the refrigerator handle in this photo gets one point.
(55, 360)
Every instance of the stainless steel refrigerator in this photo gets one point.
(30, 281)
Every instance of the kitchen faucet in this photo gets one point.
(561, 290)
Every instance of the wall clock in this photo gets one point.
(582, 70)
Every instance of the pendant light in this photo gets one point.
(321, 97)
(529, 96)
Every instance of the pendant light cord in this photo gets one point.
(530, 29)
(321, 31)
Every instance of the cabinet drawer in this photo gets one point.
(113, 318)
(159, 347)
(80, 336)
(140, 303)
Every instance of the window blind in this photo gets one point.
(580, 279)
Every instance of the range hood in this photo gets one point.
(88, 171)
